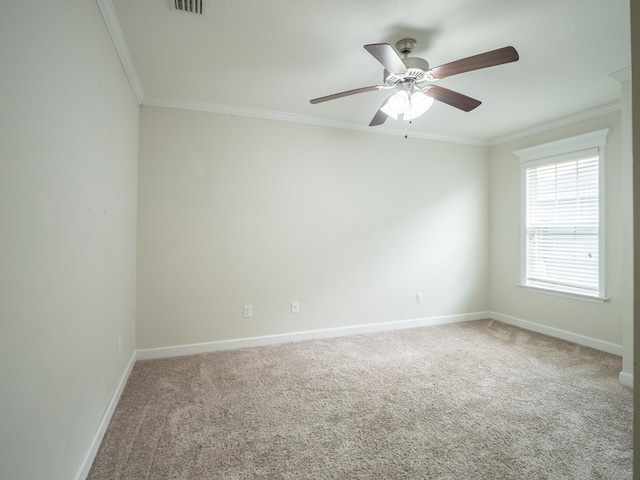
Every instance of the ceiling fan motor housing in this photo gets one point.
(416, 72)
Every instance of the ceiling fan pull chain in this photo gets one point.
(406, 128)
(405, 117)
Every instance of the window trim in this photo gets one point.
(553, 152)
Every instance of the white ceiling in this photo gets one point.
(269, 58)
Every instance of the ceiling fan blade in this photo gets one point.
(372, 88)
(387, 56)
(452, 98)
(380, 117)
(475, 62)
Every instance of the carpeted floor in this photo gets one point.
(475, 400)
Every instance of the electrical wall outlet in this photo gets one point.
(419, 297)
(247, 311)
(295, 307)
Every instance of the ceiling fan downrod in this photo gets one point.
(405, 46)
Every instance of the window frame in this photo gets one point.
(557, 152)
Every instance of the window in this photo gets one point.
(562, 232)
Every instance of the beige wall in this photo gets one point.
(237, 211)
(600, 321)
(68, 172)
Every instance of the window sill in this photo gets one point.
(564, 293)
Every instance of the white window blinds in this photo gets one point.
(562, 221)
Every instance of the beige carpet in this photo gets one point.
(476, 400)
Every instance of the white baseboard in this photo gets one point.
(562, 334)
(179, 350)
(104, 423)
(626, 379)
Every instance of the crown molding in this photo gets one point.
(622, 75)
(110, 17)
(559, 122)
(297, 118)
(323, 122)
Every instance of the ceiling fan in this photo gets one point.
(411, 77)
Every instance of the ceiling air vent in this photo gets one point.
(196, 7)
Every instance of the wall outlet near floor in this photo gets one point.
(419, 297)
(295, 307)
(247, 311)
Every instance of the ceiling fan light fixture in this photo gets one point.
(420, 103)
(397, 104)
(409, 105)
